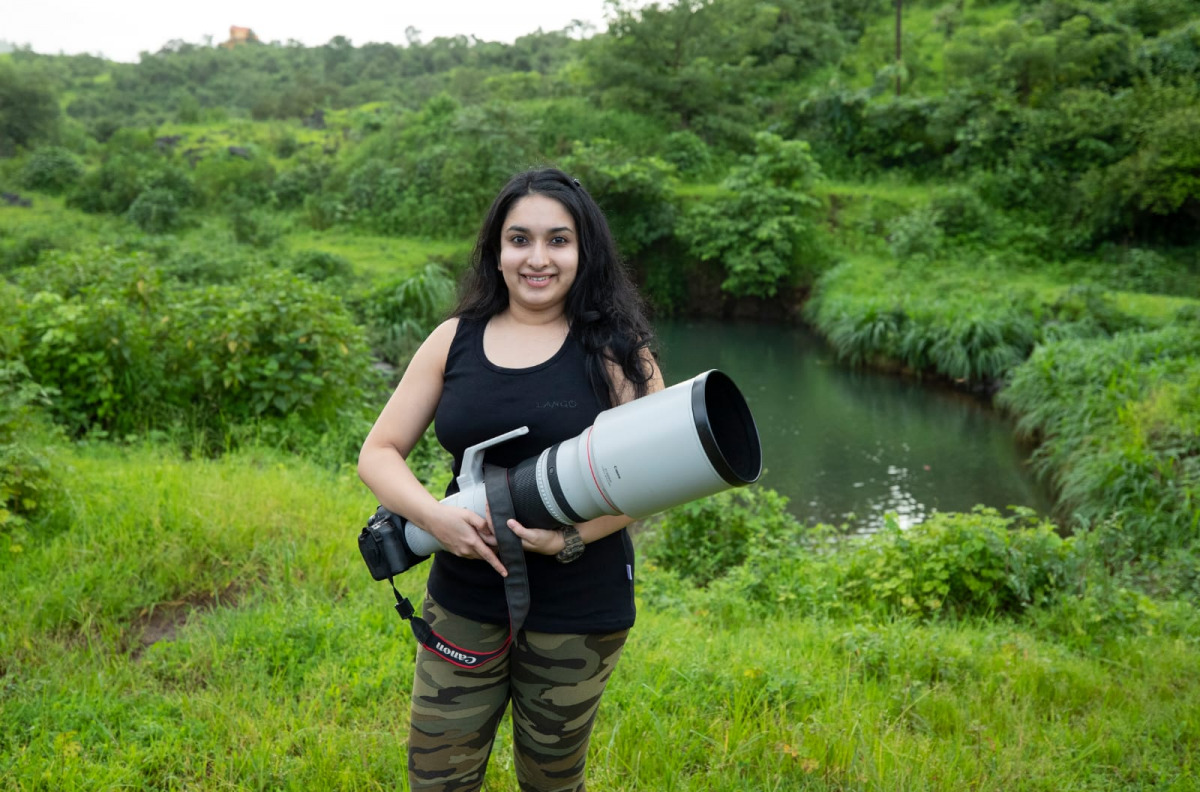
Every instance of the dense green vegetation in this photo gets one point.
(213, 260)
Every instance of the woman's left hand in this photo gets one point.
(539, 540)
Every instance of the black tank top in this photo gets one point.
(480, 400)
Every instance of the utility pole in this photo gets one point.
(899, 50)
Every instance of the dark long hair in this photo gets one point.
(604, 309)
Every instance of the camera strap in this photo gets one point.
(516, 585)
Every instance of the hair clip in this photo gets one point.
(577, 184)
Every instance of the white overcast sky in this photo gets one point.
(119, 30)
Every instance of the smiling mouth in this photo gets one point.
(536, 278)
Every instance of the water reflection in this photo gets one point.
(850, 446)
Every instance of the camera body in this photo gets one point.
(383, 545)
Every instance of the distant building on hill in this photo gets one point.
(239, 36)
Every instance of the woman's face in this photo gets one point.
(539, 254)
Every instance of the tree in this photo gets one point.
(29, 111)
(702, 64)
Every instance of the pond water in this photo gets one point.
(849, 446)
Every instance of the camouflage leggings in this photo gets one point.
(555, 683)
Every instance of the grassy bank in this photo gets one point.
(1101, 377)
(177, 624)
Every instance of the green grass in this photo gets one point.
(182, 624)
(49, 217)
(207, 138)
(381, 257)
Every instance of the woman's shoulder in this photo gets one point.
(443, 335)
(435, 349)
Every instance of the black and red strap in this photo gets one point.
(516, 585)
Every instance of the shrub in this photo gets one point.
(24, 469)
(634, 192)
(253, 225)
(156, 211)
(959, 564)
(434, 172)
(213, 256)
(706, 539)
(24, 251)
(319, 265)
(128, 170)
(269, 346)
(323, 211)
(764, 220)
(127, 353)
(917, 234)
(115, 185)
(688, 152)
(400, 313)
(293, 187)
(226, 175)
(51, 169)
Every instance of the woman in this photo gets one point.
(548, 332)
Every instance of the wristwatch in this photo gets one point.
(573, 548)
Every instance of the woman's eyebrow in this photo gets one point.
(558, 230)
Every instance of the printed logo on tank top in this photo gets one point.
(556, 404)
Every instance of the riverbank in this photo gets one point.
(1105, 383)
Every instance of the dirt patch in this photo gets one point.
(161, 621)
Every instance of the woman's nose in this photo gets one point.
(538, 255)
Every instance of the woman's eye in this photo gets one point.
(518, 240)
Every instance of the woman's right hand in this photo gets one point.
(461, 532)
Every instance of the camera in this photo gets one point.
(694, 439)
(383, 546)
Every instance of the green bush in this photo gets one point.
(128, 352)
(322, 211)
(747, 552)
(434, 172)
(252, 224)
(268, 346)
(115, 185)
(24, 469)
(24, 251)
(319, 265)
(156, 211)
(400, 313)
(959, 564)
(763, 223)
(687, 151)
(210, 256)
(131, 167)
(51, 169)
(292, 187)
(917, 234)
(634, 192)
(31, 107)
(226, 176)
(704, 540)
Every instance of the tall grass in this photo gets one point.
(1119, 425)
(930, 319)
(206, 624)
